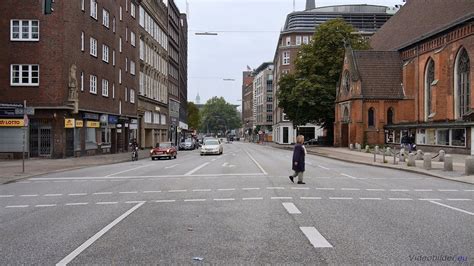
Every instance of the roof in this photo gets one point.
(420, 19)
(380, 73)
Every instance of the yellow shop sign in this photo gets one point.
(79, 123)
(69, 123)
(93, 124)
(12, 122)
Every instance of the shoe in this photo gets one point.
(291, 178)
(301, 182)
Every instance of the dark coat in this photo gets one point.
(298, 156)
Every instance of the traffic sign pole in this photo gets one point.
(24, 135)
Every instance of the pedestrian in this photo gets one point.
(299, 152)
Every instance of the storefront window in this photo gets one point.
(458, 137)
(421, 136)
(397, 137)
(91, 140)
(389, 136)
(431, 136)
(105, 135)
(77, 139)
(442, 137)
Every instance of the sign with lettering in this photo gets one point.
(69, 123)
(93, 124)
(90, 116)
(12, 122)
(79, 123)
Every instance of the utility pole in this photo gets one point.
(25, 124)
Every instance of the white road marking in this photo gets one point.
(470, 190)
(164, 201)
(194, 200)
(275, 188)
(196, 169)
(447, 190)
(128, 192)
(152, 191)
(121, 172)
(279, 198)
(311, 198)
(29, 195)
(53, 195)
(250, 188)
(134, 201)
(346, 175)
(257, 198)
(77, 194)
(201, 190)
(17, 206)
(400, 190)
(459, 199)
(171, 166)
(429, 199)
(399, 199)
(227, 199)
(106, 202)
(94, 238)
(370, 198)
(420, 190)
(225, 164)
(177, 190)
(45, 205)
(315, 238)
(324, 188)
(76, 204)
(453, 208)
(102, 193)
(340, 198)
(152, 177)
(350, 189)
(255, 161)
(213, 160)
(320, 166)
(375, 189)
(226, 189)
(6, 196)
(291, 208)
(59, 181)
(24, 182)
(300, 188)
(98, 180)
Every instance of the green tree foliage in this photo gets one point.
(308, 95)
(219, 116)
(194, 117)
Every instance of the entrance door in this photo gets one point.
(69, 142)
(285, 134)
(345, 135)
(45, 141)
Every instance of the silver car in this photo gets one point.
(212, 146)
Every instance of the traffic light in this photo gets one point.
(48, 7)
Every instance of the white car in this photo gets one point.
(212, 146)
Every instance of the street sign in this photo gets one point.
(29, 111)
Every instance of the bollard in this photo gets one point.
(375, 156)
(383, 155)
(469, 165)
(367, 148)
(419, 155)
(402, 155)
(411, 159)
(427, 161)
(377, 149)
(448, 163)
(358, 147)
(442, 155)
(351, 146)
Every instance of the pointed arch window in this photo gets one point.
(345, 116)
(390, 116)
(429, 80)
(371, 117)
(462, 83)
(346, 83)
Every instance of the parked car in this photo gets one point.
(188, 144)
(212, 146)
(164, 149)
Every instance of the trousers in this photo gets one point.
(299, 174)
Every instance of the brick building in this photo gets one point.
(436, 70)
(76, 67)
(173, 71)
(263, 99)
(183, 74)
(247, 102)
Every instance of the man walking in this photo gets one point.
(299, 153)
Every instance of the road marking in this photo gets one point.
(24, 182)
(106, 202)
(53, 195)
(45, 205)
(324, 188)
(311, 198)
(252, 198)
(17, 206)
(213, 160)
(250, 188)
(300, 188)
(459, 199)
(196, 169)
(227, 199)
(201, 190)
(400, 190)
(423, 190)
(164, 201)
(77, 194)
(172, 166)
(226, 189)
(275, 188)
(135, 201)
(255, 161)
(98, 180)
(429, 199)
(32, 195)
(340, 198)
(399, 199)
(225, 164)
(6, 196)
(94, 238)
(59, 181)
(375, 189)
(121, 172)
(128, 192)
(447, 190)
(102, 193)
(350, 189)
(76, 204)
(177, 190)
(279, 198)
(469, 190)
(194, 200)
(370, 198)
(152, 191)
(451, 207)
(320, 166)
(315, 238)
(291, 208)
(346, 175)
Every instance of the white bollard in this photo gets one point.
(402, 155)
(442, 155)
(419, 155)
(377, 149)
(427, 161)
(411, 159)
(469, 165)
(448, 163)
(351, 146)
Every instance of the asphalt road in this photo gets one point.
(237, 208)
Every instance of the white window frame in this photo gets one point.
(83, 6)
(93, 84)
(113, 57)
(105, 88)
(288, 41)
(126, 34)
(132, 10)
(120, 44)
(141, 16)
(132, 38)
(113, 90)
(120, 13)
(298, 40)
(132, 67)
(82, 81)
(305, 39)
(120, 76)
(286, 58)
(126, 94)
(20, 32)
(82, 42)
(93, 47)
(105, 18)
(132, 96)
(142, 49)
(94, 9)
(126, 64)
(105, 53)
(20, 75)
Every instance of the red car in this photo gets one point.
(164, 149)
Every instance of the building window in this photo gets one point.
(442, 137)
(113, 90)
(288, 41)
(132, 38)
(120, 13)
(126, 64)
(269, 118)
(269, 108)
(429, 79)
(93, 84)
(371, 117)
(141, 16)
(305, 39)
(113, 25)
(147, 117)
(24, 75)
(132, 10)
(390, 116)
(94, 9)
(120, 76)
(113, 57)
(105, 53)
(286, 58)
(82, 81)
(132, 96)
(83, 6)
(298, 40)
(142, 49)
(24, 30)
(132, 67)
(105, 88)
(126, 34)
(345, 115)
(156, 118)
(93, 47)
(346, 81)
(163, 119)
(462, 83)
(105, 18)
(120, 44)
(82, 41)
(126, 94)
(458, 137)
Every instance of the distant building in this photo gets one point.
(263, 98)
(247, 103)
(299, 29)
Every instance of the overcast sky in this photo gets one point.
(214, 58)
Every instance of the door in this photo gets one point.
(285, 134)
(45, 141)
(345, 135)
(69, 142)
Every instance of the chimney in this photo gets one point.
(310, 4)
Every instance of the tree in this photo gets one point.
(308, 95)
(219, 116)
(194, 117)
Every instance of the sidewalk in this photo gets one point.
(344, 154)
(11, 170)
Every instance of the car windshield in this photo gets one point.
(211, 142)
(165, 145)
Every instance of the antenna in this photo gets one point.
(294, 8)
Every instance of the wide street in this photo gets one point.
(237, 208)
